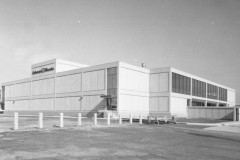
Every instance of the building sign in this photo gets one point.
(42, 70)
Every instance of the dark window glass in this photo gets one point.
(174, 82)
(181, 84)
(212, 91)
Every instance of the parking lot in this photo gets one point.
(126, 141)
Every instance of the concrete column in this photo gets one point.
(61, 120)
(140, 119)
(130, 119)
(95, 119)
(15, 120)
(205, 103)
(79, 119)
(108, 118)
(40, 120)
(120, 119)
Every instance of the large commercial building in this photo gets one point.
(116, 87)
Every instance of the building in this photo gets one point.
(116, 87)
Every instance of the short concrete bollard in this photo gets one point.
(140, 119)
(130, 120)
(15, 120)
(79, 119)
(120, 119)
(108, 118)
(40, 119)
(95, 119)
(61, 120)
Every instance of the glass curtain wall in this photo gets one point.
(198, 88)
(222, 94)
(212, 91)
(181, 84)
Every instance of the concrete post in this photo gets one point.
(79, 119)
(130, 119)
(108, 118)
(61, 120)
(15, 120)
(40, 119)
(140, 119)
(95, 119)
(120, 119)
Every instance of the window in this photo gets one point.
(180, 84)
(212, 91)
(198, 88)
(222, 94)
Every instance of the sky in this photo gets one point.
(201, 37)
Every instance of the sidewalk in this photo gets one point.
(233, 126)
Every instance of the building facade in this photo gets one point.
(116, 87)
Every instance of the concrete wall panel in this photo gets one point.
(179, 106)
(68, 103)
(10, 91)
(94, 80)
(133, 80)
(133, 103)
(43, 87)
(22, 105)
(153, 104)
(23, 89)
(163, 104)
(92, 103)
(43, 104)
(231, 98)
(69, 83)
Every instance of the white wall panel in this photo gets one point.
(133, 80)
(231, 98)
(163, 85)
(68, 83)
(159, 82)
(9, 91)
(43, 104)
(153, 104)
(86, 81)
(133, 103)
(94, 80)
(92, 103)
(154, 82)
(8, 105)
(43, 87)
(159, 104)
(23, 89)
(22, 105)
(179, 106)
(68, 103)
(100, 80)
(163, 104)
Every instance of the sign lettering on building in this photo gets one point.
(42, 70)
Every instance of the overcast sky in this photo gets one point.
(201, 37)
